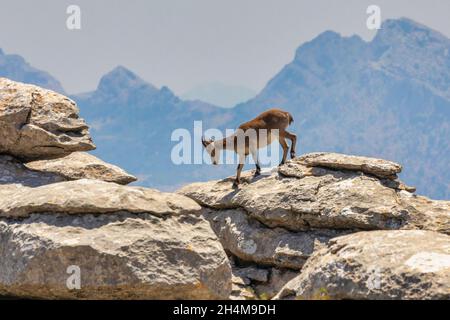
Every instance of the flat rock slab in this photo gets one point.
(81, 165)
(117, 256)
(90, 196)
(39, 124)
(13, 171)
(406, 264)
(378, 167)
(323, 198)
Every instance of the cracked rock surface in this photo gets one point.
(300, 198)
(118, 256)
(403, 264)
(39, 124)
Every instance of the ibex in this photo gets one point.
(253, 135)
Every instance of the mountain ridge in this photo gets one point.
(388, 97)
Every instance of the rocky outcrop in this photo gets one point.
(118, 256)
(251, 241)
(294, 215)
(90, 196)
(377, 265)
(300, 198)
(377, 167)
(75, 166)
(81, 165)
(70, 229)
(309, 229)
(39, 124)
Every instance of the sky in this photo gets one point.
(186, 43)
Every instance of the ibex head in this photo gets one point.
(211, 149)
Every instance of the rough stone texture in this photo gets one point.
(81, 165)
(249, 240)
(39, 124)
(378, 167)
(300, 198)
(90, 196)
(277, 280)
(13, 171)
(251, 274)
(406, 264)
(427, 214)
(120, 256)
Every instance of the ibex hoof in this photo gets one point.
(235, 185)
(293, 155)
(281, 164)
(257, 173)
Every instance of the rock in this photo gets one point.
(377, 167)
(311, 198)
(119, 256)
(39, 124)
(90, 196)
(81, 165)
(427, 214)
(405, 264)
(277, 280)
(251, 274)
(249, 240)
(13, 171)
(242, 292)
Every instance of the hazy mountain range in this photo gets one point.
(387, 98)
(220, 94)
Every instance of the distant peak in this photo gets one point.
(122, 72)
(1, 52)
(404, 23)
(121, 78)
(329, 34)
(406, 27)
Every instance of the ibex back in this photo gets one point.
(253, 135)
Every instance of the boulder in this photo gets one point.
(112, 256)
(377, 167)
(401, 264)
(90, 196)
(39, 124)
(299, 198)
(81, 165)
(251, 241)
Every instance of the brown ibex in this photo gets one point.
(253, 135)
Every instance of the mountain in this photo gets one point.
(15, 67)
(220, 94)
(129, 116)
(388, 98)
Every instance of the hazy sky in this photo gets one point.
(184, 43)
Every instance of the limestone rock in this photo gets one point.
(404, 264)
(426, 214)
(251, 274)
(39, 124)
(378, 167)
(278, 278)
(13, 171)
(81, 165)
(249, 240)
(299, 198)
(90, 196)
(118, 256)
